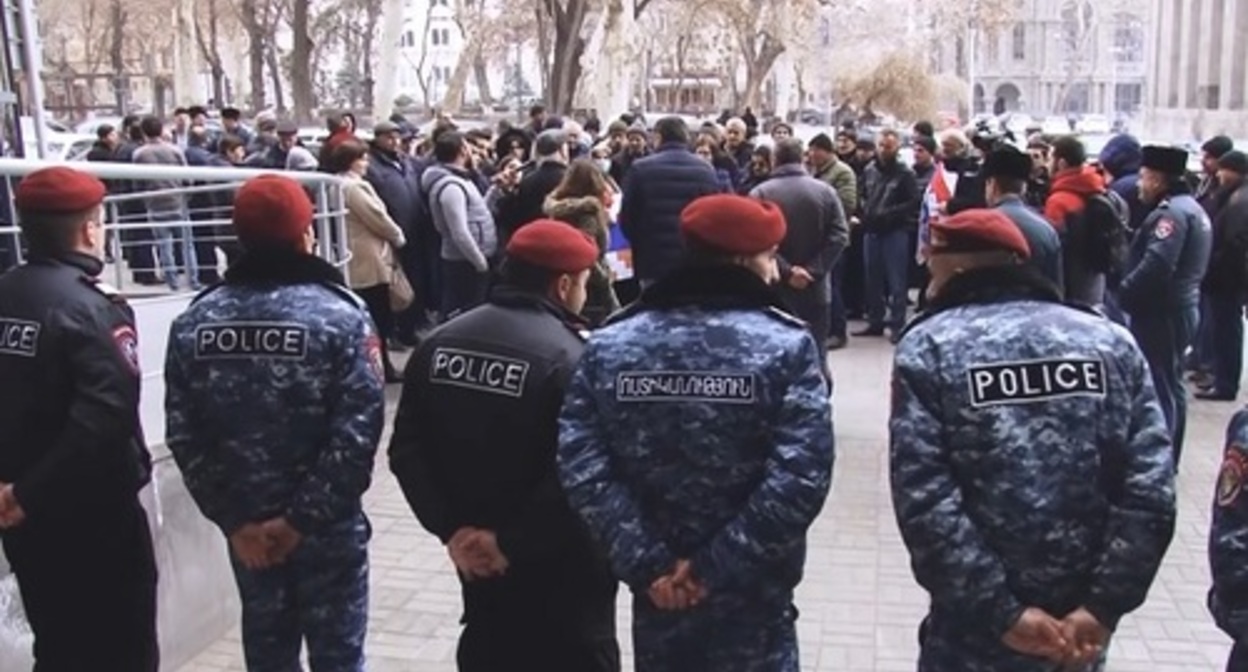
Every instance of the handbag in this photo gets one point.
(401, 293)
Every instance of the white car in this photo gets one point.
(1055, 126)
(1094, 124)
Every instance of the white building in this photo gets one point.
(1198, 59)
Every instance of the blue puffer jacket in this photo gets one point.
(1121, 157)
(657, 188)
(394, 178)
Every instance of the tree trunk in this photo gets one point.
(613, 78)
(453, 99)
(209, 48)
(757, 68)
(185, 70)
(256, 51)
(387, 88)
(301, 93)
(481, 73)
(367, 45)
(117, 56)
(569, 46)
(275, 76)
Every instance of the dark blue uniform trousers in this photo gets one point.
(1164, 338)
(714, 638)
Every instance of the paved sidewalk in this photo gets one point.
(859, 605)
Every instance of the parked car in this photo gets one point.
(1055, 126)
(1091, 124)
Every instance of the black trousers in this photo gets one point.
(377, 298)
(89, 589)
(525, 645)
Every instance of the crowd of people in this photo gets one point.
(561, 432)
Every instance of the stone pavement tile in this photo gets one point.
(859, 605)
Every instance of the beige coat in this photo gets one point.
(371, 235)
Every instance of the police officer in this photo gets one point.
(1228, 544)
(1006, 171)
(72, 454)
(474, 450)
(1161, 289)
(1031, 469)
(274, 407)
(696, 441)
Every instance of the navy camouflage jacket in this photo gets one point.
(1228, 537)
(698, 425)
(1030, 461)
(274, 395)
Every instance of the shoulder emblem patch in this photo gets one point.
(127, 342)
(1231, 476)
(376, 361)
(1164, 229)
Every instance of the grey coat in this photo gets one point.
(817, 230)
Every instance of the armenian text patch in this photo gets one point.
(270, 340)
(481, 371)
(19, 337)
(1036, 380)
(709, 386)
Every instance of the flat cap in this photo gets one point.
(638, 128)
(58, 189)
(553, 245)
(1007, 162)
(386, 126)
(1168, 160)
(978, 230)
(733, 224)
(272, 211)
(287, 127)
(1234, 161)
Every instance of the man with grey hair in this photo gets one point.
(736, 143)
(817, 234)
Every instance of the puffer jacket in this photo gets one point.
(588, 214)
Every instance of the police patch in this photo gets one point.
(19, 337)
(716, 387)
(1231, 476)
(376, 358)
(127, 341)
(480, 371)
(242, 340)
(1035, 380)
(1164, 229)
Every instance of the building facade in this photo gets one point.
(1199, 58)
(1055, 58)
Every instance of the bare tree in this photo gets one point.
(566, 19)
(254, 20)
(300, 62)
(899, 84)
(209, 46)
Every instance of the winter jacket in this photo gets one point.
(589, 215)
(527, 203)
(1121, 158)
(657, 189)
(372, 236)
(460, 216)
(841, 177)
(817, 230)
(891, 197)
(392, 176)
(1227, 274)
(1067, 200)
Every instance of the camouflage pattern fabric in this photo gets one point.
(274, 408)
(1030, 466)
(707, 435)
(1228, 537)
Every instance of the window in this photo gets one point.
(1019, 42)
(446, 36)
(1129, 36)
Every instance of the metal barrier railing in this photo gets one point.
(168, 227)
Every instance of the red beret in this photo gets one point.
(978, 230)
(59, 189)
(272, 210)
(553, 245)
(733, 224)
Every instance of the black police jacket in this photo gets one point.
(474, 445)
(70, 438)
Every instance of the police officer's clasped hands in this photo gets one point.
(679, 590)
(1075, 640)
(265, 544)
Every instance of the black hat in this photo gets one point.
(1007, 162)
(866, 141)
(1168, 160)
(1234, 161)
(197, 110)
(822, 141)
(231, 113)
(1217, 146)
(926, 142)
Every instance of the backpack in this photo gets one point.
(1106, 233)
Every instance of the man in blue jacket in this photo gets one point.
(656, 190)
